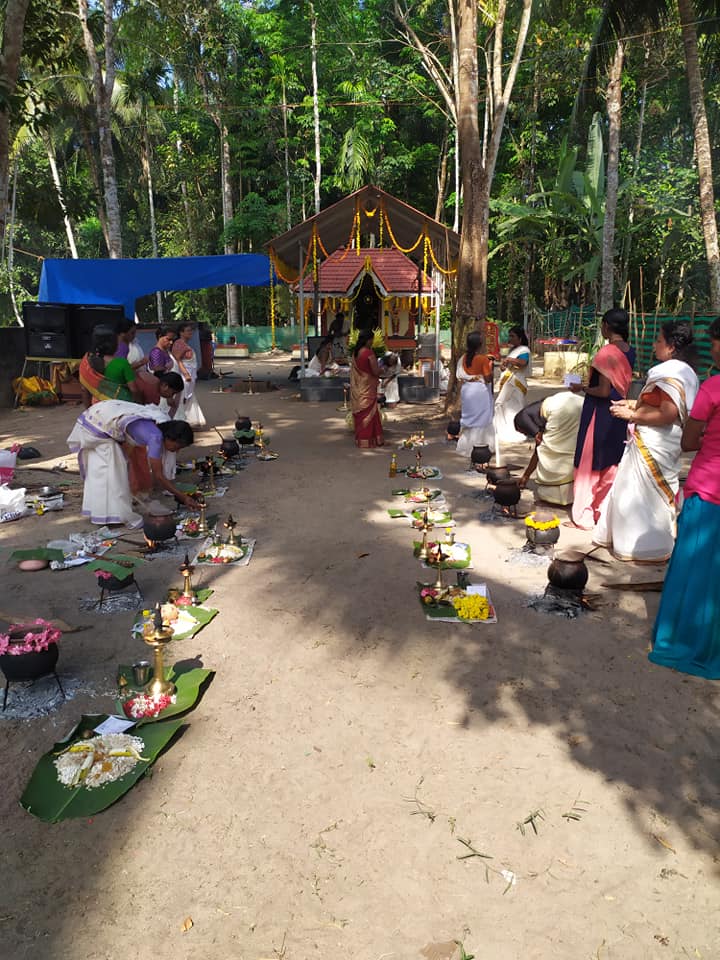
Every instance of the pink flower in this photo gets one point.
(33, 641)
(102, 574)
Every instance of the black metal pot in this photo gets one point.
(29, 666)
(242, 424)
(497, 473)
(568, 574)
(542, 537)
(229, 448)
(159, 528)
(453, 429)
(481, 455)
(507, 492)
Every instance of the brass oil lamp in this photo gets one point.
(158, 638)
(437, 558)
(211, 476)
(425, 525)
(188, 595)
(203, 528)
(230, 524)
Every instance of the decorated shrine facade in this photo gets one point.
(374, 289)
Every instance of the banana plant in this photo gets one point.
(564, 223)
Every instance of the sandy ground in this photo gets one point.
(315, 803)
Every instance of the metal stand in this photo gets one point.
(50, 673)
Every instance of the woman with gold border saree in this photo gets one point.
(637, 520)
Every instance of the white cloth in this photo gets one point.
(476, 417)
(189, 409)
(135, 354)
(391, 387)
(96, 438)
(512, 390)
(313, 369)
(637, 520)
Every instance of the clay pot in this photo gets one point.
(481, 455)
(243, 423)
(568, 572)
(29, 666)
(159, 527)
(453, 429)
(507, 492)
(497, 473)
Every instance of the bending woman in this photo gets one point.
(98, 438)
(364, 379)
(687, 630)
(601, 437)
(186, 359)
(637, 521)
(475, 374)
(102, 374)
(553, 424)
(512, 387)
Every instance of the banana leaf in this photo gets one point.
(446, 564)
(47, 799)
(119, 566)
(202, 614)
(36, 553)
(189, 685)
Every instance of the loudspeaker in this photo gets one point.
(51, 345)
(47, 329)
(84, 318)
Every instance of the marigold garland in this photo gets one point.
(530, 521)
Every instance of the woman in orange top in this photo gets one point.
(475, 375)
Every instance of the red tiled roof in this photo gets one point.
(392, 270)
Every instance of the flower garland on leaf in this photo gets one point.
(34, 641)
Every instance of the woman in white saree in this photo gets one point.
(637, 520)
(98, 438)
(512, 387)
(187, 366)
(474, 374)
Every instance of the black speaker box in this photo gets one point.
(84, 318)
(47, 329)
(50, 345)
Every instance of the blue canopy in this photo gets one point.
(123, 281)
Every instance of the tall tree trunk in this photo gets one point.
(627, 240)
(316, 106)
(286, 154)
(96, 179)
(147, 171)
(614, 111)
(191, 246)
(102, 94)
(231, 296)
(10, 53)
(478, 171)
(441, 177)
(60, 196)
(702, 148)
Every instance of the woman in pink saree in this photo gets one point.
(601, 438)
(364, 379)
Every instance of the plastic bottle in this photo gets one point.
(393, 466)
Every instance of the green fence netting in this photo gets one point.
(259, 339)
(579, 323)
